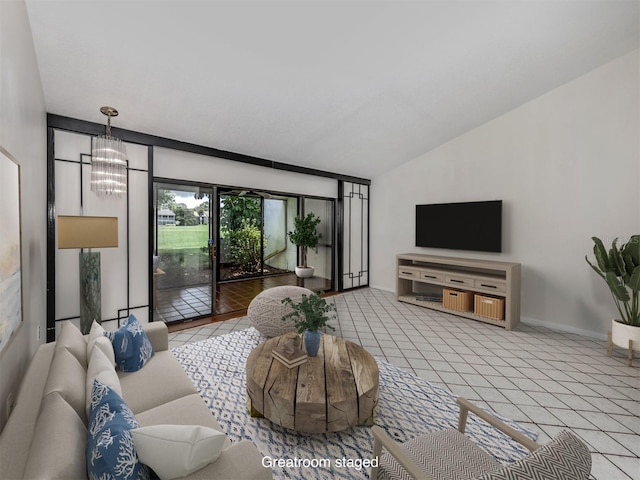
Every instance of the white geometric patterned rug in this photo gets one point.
(408, 406)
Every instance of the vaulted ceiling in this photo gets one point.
(352, 87)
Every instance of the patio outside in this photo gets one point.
(252, 237)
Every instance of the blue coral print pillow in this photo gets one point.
(131, 346)
(111, 454)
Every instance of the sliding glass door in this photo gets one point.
(279, 254)
(253, 234)
(251, 230)
(321, 259)
(184, 282)
(240, 234)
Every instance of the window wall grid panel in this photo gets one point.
(355, 263)
(124, 270)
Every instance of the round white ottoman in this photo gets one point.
(266, 310)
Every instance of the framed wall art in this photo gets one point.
(10, 249)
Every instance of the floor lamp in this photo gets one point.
(86, 232)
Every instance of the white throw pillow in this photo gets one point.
(175, 451)
(96, 331)
(104, 344)
(96, 336)
(102, 369)
(72, 339)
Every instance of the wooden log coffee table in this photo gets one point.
(333, 391)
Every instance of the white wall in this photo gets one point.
(23, 134)
(175, 164)
(567, 167)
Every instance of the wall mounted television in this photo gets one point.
(473, 226)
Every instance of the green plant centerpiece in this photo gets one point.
(619, 267)
(310, 314)
(304, 236)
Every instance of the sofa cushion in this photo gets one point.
(161, 380)
(68, 377)
(109, 448)
(188, 410)
(100, 368)
(175, 451)
(104, 344)
(131, 346)
(158, 335)
(18, 432)
(58, 424)
(72, 339)
(96, 332)
(97, 337)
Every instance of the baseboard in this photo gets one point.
(563, 328)
(538, 323)
(384, 289)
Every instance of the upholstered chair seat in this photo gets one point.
(451, 455)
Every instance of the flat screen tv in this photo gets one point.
(473, 226)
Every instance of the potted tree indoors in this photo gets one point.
(310, 314)
(305, 236)
(620, 268)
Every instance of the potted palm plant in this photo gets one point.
(620, 269)
(305, 236)
(310, 314)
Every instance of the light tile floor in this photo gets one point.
(546, 380)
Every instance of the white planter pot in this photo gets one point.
(621, 333)
(304, 272)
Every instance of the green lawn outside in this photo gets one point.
(172, 237)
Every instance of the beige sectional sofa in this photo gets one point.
(46, 433)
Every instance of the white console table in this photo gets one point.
(423, 275)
